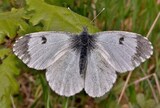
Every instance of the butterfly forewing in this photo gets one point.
(38, 50)
(123, 50)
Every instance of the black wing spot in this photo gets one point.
(121, 39)
(44, 39)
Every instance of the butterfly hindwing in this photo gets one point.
(64, 74)
(38, 50)
(100, 75)
(123, 50)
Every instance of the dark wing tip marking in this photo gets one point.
(145, 46)
(144, 50)
(20, 48)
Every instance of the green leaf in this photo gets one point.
(57, 18)
(4, 52)
(11, 23)
(8, 83)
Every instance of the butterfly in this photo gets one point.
(74, 62)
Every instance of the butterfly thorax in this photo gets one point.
(84, 37)
(83, 41)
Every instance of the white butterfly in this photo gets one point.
(74, 62)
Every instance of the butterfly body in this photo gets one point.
(83, 61)
(83, 44)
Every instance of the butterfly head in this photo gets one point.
(85, 29)
(84, 34)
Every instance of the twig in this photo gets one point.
(150, 84)
(148, 34)
(154, 23)
(144, 78)
(12, 101)
(147, 78)
(157, 82)
(124, 87)
(140, 80)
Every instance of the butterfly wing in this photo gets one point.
(100, 75)
(52, 51)
(123, 50)
(115, 51)
(64, 74)
(38, 50)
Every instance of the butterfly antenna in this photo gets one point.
(97, 15)
(75, 17)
